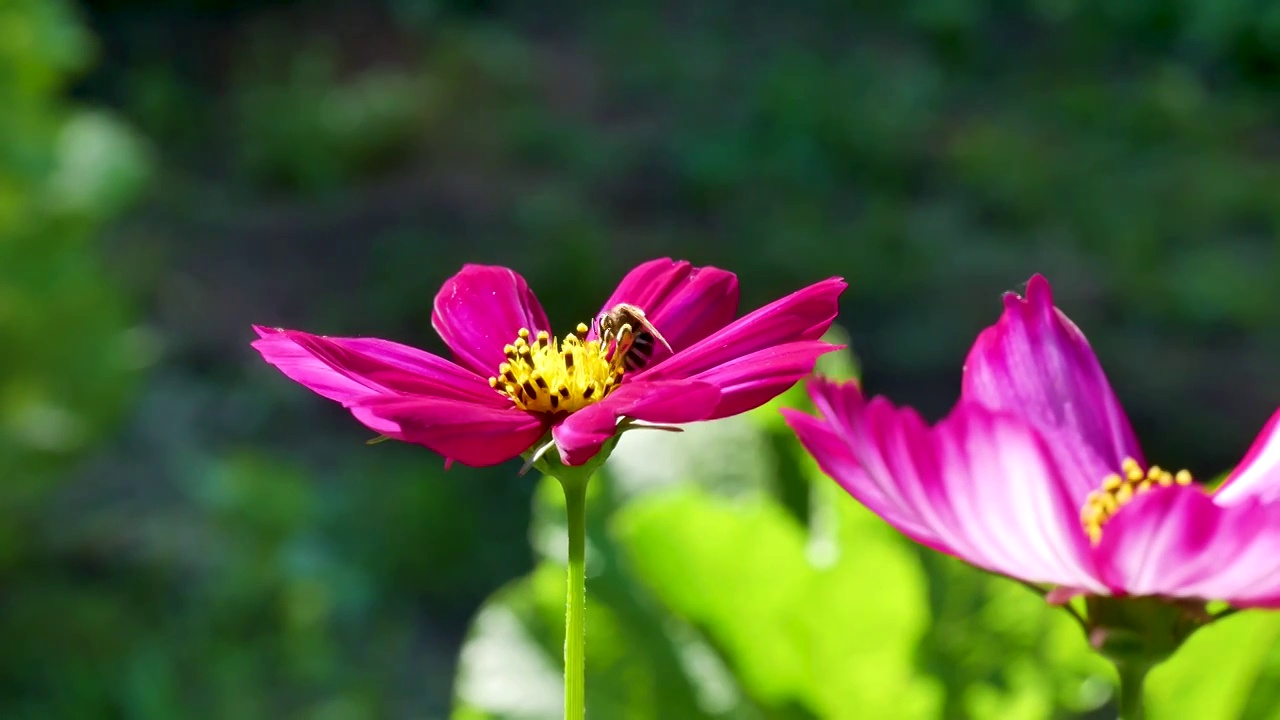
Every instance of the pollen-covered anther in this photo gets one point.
(1118, 489)
(543, 374)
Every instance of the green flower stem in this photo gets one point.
(1132, 677)
(573, 480)
(575, 629)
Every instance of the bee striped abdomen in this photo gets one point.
(640, 352)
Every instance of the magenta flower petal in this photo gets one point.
(480, 310)
(1031, 464)
(836, 457)
(580, 389)
(1175, 541)
(803, 315)
(300, 365)
(752, 380)
(580, 436)
(981, 485)
(471, 434)
(380, 425)
(1036, 363)
(349, 369)
(685, 303)
(1258, 474)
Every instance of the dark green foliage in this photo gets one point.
(186, 534)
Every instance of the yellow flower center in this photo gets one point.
(549, 375)
(1118, 489)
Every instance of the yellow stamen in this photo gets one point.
(549, 375)
(1132, 471)
(1118, 489)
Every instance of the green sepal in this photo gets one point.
(1142, 631)
(548, 462)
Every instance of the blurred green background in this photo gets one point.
(184, 533)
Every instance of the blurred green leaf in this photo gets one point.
(72, 350)
(102, 166)
(1228, 670)
(640, 663)
(837, 637)
(650, 460)
(512, 662)
(1000, 651)
(934, 152)
(310, 130)
(509, 666)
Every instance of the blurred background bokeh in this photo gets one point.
(184, 533)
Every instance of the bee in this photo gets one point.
(634, 337)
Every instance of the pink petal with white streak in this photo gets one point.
(1037, 364)
(981, 485)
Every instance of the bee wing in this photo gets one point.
(649, 328)
(625, 312)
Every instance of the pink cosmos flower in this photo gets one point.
(1036, 474)
(512, 381)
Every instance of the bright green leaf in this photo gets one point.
(1228, 670)
(837, 638)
